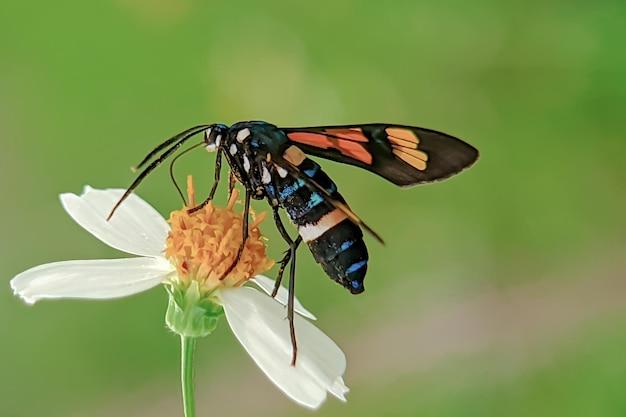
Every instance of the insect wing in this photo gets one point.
(404, 155)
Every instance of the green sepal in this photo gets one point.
(191, 313)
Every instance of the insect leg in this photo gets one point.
(283, 262)
(218, 170)
(290, 302)
(289, 256)
(232, 180)
(244, 229)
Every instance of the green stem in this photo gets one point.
(187, 348)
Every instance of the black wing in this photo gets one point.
(404, 155)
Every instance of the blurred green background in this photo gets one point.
(499, 292)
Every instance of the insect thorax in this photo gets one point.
(249, 148)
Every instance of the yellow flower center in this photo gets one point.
(203, 245)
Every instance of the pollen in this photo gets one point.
(204, 245)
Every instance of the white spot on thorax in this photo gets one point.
(218, 140)
(281, 171)
(246, 164)
(211, 146)
(243, 134)
(266, 178)
(233, 149)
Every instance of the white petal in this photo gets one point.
(260, 325)
(339, 389)
(136, 227)
(267, 285)
(94, 279)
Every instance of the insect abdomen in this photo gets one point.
(335, 242)
(343, 255)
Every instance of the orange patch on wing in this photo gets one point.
(314, 139)
(401, 142)
(410, 159)
(354, 133)
(414, 152)
(345, 147)
(294, 155)
(404, 134)
(355, 150)
(404, 144)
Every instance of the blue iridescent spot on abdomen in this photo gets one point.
(315, 200)
(289, 190)
(345, 245)
(356, 266)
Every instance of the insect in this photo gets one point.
(272, 164)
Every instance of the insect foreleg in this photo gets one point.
(232, 180)
(218, 171)
(244, 233)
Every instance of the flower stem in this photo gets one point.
(187, 348)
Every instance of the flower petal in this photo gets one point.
(136, 227)
(259, 324)
(267, 285)
(95, 279)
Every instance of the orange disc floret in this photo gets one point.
(203, 245)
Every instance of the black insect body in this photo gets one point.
(335, 241)
(271, 164)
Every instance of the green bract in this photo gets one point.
(191, 313)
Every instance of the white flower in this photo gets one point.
(257, 320)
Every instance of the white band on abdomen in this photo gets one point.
(310, 232)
